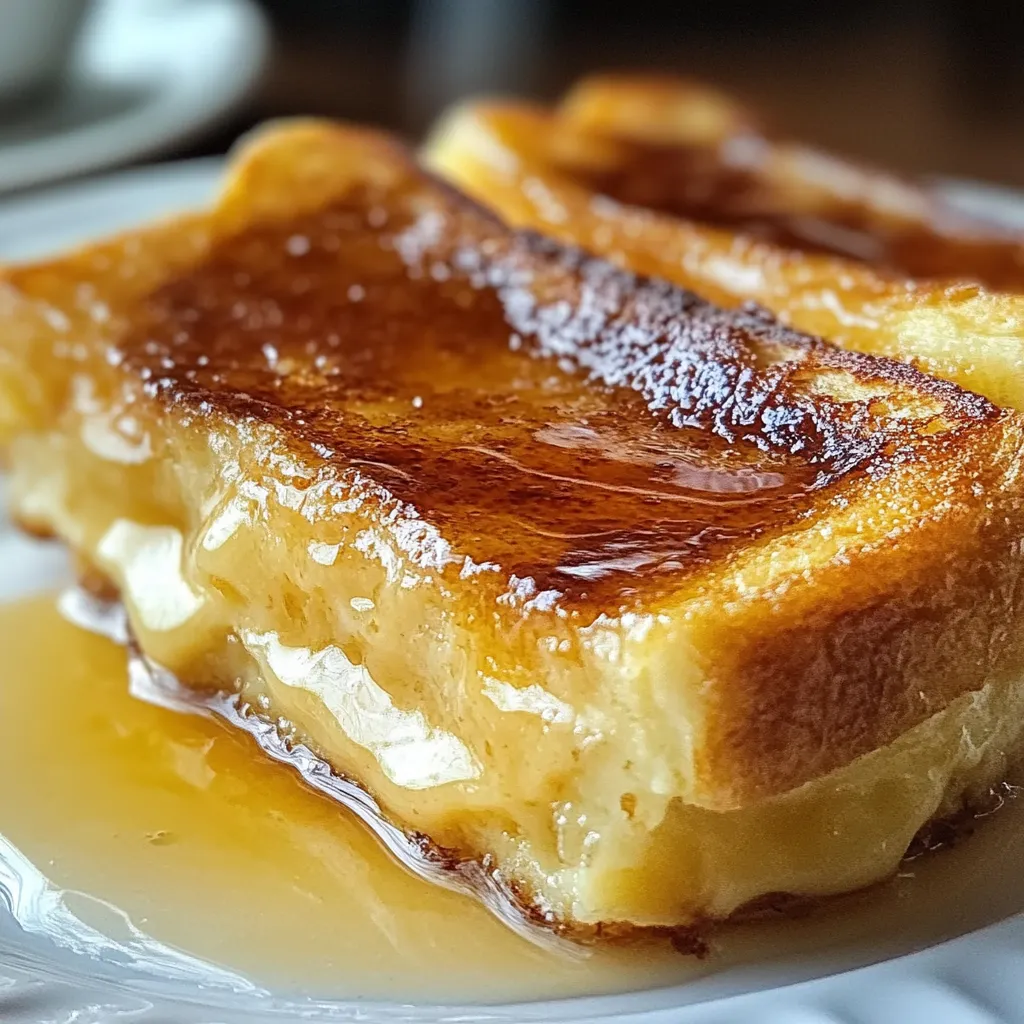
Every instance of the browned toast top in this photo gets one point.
(600, 434)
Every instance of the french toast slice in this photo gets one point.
(651, 608)
(589, 174)
(689, 150)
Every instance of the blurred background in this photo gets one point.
(919, 86)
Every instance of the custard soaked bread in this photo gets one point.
(652, 608)
(659, 176)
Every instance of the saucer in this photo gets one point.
(147, 73)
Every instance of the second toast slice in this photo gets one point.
(587, 174)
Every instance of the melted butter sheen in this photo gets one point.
(210, 849)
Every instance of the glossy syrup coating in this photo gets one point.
(325, 444)
(555, 418)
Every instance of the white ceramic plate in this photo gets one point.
(147, 73)
(976, 978)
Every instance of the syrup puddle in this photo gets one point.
(90, 926)
(168, 843)
(154, 685)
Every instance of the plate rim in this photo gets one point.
(190, 92)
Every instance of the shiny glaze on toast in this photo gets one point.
(594, 435)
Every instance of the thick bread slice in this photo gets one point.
(652, 607)
(578, 176)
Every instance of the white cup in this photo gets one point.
(36, 39)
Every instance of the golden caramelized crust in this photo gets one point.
(688, 151)
(603, 172)
(601, 435)
(571, 569)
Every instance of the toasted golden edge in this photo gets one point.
(897, 617)
(499, 153)
(657, 108)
